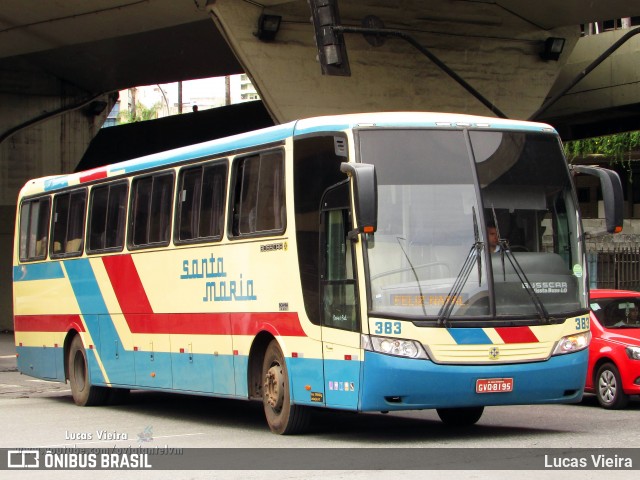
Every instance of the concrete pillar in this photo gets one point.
(34, 145)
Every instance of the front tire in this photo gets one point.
(84, 394)
(283, 417)
(460, 417)
(609, 388)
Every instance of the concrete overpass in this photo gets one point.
(61, 61)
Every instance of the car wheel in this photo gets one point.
(609, 388)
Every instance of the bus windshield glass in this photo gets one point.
(472, 224)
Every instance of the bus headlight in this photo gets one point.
(572, 343)
(633, 353)
(398, 347)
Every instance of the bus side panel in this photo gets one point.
(241, 369)
(117, 359)
(41, 362)
(394, 383)
(306, 372)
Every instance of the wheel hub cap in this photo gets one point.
(274, 387)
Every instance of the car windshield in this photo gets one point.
(472, 224)
(617, 312)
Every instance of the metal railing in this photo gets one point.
(615, 267)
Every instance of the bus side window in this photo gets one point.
(201, 203)
(68, 223)
(34, 229)
(151, 202)
(258, 196)
(107, 216)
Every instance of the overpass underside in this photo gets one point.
(605, 101)
(61, 62)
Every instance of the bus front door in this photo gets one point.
(339, 305)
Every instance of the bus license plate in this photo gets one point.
(494, 385)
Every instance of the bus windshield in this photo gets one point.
(472, 224)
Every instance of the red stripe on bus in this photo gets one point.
(278, 323)
(286, 324)
(517, 335)
(47, 323)
(140, 317)
(126, 284)
(93, 175)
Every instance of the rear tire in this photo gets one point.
(84, 394)
(609, 388)
(460, 417)
(283, 417)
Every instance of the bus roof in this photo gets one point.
(279, 133)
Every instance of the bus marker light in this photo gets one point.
(294, 354)
(347, 357)
(182, 350)
(153, 374)
(90, 347)
(135, 349)
(307, 388)
(235, 352)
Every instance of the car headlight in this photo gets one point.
(398, 347)
(633, 353)
(572, 343)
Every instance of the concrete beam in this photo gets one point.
(494, 50)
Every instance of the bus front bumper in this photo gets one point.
(395, 383)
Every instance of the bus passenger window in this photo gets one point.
(34, 229)
(151, 210)
(107, 216)
(259, 195)
(201, 204)
(68, 223)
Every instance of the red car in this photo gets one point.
(614, 353)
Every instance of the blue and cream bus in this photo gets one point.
(337, 262)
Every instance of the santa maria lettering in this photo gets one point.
(218, 287)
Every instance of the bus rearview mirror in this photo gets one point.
(365, 194)
(611, 194)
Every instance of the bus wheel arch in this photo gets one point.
(71, 334)
(283, 416)
(77, 369)
(256, 359)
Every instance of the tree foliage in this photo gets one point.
(142, 113)
(615, 148)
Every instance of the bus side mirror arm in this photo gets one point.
(365, 195)
(611, 194)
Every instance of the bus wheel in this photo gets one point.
(609, 388)
(283, 417)
(460, 417)
(84, 394)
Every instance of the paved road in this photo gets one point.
(42, 414)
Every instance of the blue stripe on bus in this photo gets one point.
(214, 147)
(97, 318)
(37, 271)
(56, 183)
(469, 336)
(192, 152)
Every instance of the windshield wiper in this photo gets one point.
(505, 250)
(415, 274)
(475, 255)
